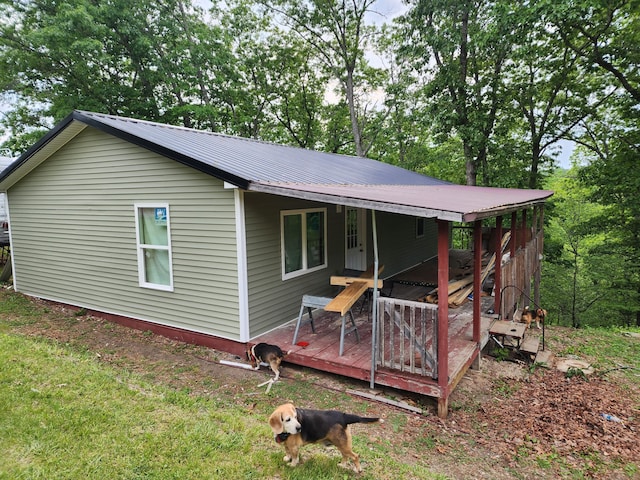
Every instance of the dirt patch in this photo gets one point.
(505, 420)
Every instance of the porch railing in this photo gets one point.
(407, 336)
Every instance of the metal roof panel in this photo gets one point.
(452, 202)
(295, 172)
(259, 161)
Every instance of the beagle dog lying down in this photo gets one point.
(295, 427)
(529, 316)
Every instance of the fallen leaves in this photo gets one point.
(550, 414)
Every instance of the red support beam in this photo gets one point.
(443, 317)
(477, 282)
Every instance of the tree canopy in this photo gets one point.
(479, 92)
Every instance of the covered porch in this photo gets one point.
(408, 335)
(320, 349)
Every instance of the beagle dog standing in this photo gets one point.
(294, 427)
(529, 316)
(270, 354)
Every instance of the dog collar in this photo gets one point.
(282, 437)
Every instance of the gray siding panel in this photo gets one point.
(74, 235)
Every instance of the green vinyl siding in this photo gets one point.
(272, 301)
(398, 247)
(73, 228)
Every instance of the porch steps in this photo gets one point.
(545, 357)
(530, 345)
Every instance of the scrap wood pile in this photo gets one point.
(460, 289)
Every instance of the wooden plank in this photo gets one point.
(461, 296)
(381, 399)
(505, 327)
(346, 298)
(346, 281)
(530, 344)
(367, 275)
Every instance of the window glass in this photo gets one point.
(293, 243)
(315, 239)
(154, 252)
(304, 241)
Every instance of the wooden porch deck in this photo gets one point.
(322, 351)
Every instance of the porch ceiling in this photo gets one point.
(457, 203)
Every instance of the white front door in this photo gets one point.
(356, 246)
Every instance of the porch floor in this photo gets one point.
(322, 351)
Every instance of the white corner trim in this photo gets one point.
(241, 243)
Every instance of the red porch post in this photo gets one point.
(477, 278)
(498, 267)
(443, 317)
(477, 288)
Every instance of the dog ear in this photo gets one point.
(275, 422)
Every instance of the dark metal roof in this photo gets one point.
(253, 160)
(295, 172)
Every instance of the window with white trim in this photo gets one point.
(304, 241)
(153, 237)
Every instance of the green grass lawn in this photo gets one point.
(66, 413)
(65, 416)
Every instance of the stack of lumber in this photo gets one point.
(460, 289)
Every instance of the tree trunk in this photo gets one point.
(355, 126)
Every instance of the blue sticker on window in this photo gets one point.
(161, 215)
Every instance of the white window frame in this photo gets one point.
(304, 270)
(140, 247)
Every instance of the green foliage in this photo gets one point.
(576, 372)
(570, 281)
(468, 92)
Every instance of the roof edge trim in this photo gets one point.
(356, 202)
(39, 145)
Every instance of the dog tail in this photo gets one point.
(350, 418)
